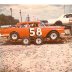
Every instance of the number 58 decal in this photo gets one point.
(38, 32)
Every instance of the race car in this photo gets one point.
(32, 31)
(65, 19)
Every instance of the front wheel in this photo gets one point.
(39, 41)
(53, 35)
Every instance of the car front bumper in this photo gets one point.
(62, 35)
(4, 35)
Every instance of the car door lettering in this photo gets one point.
(38, 32)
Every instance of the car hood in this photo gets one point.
(52, 21)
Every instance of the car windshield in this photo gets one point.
(68, 16)
(43, 24)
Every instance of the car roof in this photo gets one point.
(28, 22)
(65, 14)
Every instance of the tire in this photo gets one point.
(14, 36)
(58, 23)
(26, 41)
(53, 35)
(38, 41)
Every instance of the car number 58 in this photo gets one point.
(38, 32)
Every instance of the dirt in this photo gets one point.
(36, 58)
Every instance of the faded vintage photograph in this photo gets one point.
(35, 38)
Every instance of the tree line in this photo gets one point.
(7, 20)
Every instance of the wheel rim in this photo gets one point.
(38, 41)
(53, 36)
(14, 36)
(25, 41)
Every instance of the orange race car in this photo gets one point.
(36, 31)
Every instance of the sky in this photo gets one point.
(40, 12)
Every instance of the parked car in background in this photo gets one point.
(65, 19)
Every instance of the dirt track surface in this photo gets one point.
(34, 58)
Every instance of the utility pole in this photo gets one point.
(64, 9)
(11, 16)
(20, 16)
(28, 18)
(11, 11)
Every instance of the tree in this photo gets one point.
(7, 20)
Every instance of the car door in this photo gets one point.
(33, 29)
(23, 30)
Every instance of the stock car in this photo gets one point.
(36, 31)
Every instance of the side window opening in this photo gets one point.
(65, 16)
(68, 16)
(23, 25)
(33, 25)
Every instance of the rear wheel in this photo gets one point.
(26, 41)
(14, 36)
(38, 40)
(53, 35)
